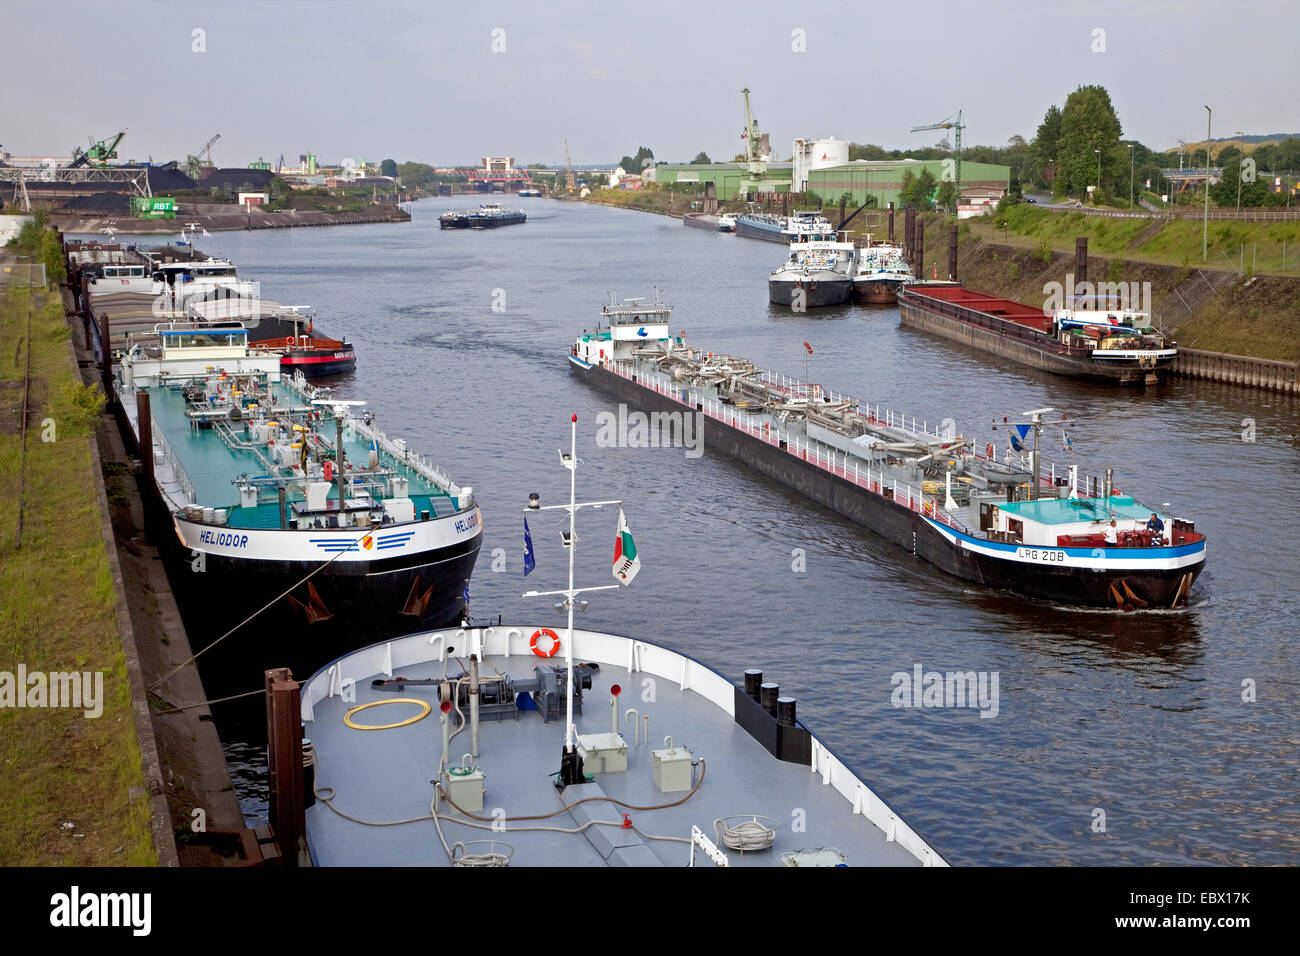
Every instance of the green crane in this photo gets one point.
(99, 154)
(953, 123)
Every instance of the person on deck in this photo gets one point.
(1112, 535)
(1156, 526)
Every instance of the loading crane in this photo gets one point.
(99, 153)
(569, 180)
(200, 158)
(953, 123)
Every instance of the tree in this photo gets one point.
(1047, 141)
(947, 196)
(701, 159)
(1224, 192)
(388, 168)
(415, 175)
(635, 164)
(918, 190)
(1089, 124)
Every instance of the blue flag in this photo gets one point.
(529, 561)
(1018, 435)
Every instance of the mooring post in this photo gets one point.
(106, 353)
(891, 222)
(952, 253)
(1080, 263)
(145, 430)
(284, 759)
(919, 269)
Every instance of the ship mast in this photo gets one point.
(571, 763)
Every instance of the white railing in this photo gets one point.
(178, 471)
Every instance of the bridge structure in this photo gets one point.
(136, 176)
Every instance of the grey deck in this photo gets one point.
(385, 775)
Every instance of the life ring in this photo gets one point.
(988, 450)
(555, 642)
(288, 341)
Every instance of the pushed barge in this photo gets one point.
(287, 505)
(1103, 345)
(1045, 532)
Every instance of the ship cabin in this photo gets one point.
(631, 325)
(1079, 523)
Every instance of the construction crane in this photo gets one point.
(569, 180)
(99, 154)
(280, 165)
(953, 123)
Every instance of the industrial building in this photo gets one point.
(883, 179)
(726, 177)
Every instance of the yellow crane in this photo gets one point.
(953, 123)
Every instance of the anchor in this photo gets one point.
(314, 610)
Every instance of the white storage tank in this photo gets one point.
(810, 154)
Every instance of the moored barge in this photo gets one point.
(1112, 346)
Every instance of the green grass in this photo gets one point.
(58, 612)
(1176, 242)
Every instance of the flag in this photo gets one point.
(529, 561)
(1018, 435)
(1066, 443)
(626, 562)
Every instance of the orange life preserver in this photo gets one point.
(288, 341)
(988, 450)
(555, 642)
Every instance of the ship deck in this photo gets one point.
(212, 465)
(384, 775)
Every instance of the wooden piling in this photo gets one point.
(284, 758)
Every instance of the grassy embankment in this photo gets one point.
(58, 613)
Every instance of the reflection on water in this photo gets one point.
(1140, 716)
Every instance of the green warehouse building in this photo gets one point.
(883, 179)
(726, 177)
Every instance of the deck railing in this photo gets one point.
(169, 456)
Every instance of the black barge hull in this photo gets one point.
(904, 527)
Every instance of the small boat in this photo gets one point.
(727, 222)
(882, 269)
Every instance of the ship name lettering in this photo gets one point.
(1034, 554)
(223, 539)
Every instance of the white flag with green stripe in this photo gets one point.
(626, 562)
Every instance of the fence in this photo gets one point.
(23, 275)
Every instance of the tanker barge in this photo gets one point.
(1109, 345)
(1015, 522)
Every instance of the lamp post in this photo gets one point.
(1130, 175)
(1098, 152)
(1239, 162)
(1205, 230)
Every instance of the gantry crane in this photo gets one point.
(569, 181)
(952, 123)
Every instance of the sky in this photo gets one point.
(447, 83)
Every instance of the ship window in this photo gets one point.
(1015, 529)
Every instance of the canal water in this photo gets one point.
(1166, 737)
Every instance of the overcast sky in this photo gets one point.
(421, 80)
